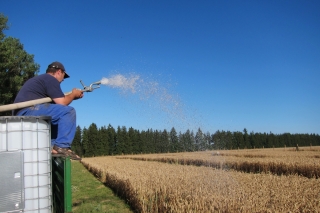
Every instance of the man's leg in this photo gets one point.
(63, 119)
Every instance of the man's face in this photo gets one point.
(60, 75)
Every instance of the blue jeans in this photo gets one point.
(63, 121)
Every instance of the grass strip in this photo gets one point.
(90, 195)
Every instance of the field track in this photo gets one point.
(150, 185)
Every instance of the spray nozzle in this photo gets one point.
(91, 87)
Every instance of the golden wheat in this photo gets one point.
(159, 187)
(275, 161)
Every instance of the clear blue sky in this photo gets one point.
(219, 65)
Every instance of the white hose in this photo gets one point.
(24, 104)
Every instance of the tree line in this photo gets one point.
(94, 141)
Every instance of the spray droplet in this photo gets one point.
(104, 81)
(120, 81)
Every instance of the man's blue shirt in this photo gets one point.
(41, 86)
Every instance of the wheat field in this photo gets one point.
(191, 182)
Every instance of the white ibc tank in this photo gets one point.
(31, 136)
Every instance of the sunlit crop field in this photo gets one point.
(281, 180)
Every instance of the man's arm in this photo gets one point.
(67, 99)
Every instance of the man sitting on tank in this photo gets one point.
(63, 116)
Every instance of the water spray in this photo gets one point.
(121, 82)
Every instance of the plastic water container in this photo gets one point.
(29, 136)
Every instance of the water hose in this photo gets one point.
(24, 104)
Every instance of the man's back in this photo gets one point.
(40, 86)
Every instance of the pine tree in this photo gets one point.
(182, 142)
(112, 139)
(87, 152)
(127, 146)
(165, 143)
(208, 141)
(133, 141)
(246, 139)
(104, 143)
(122, 139)
(157, 141)
(173, 140)
(150, 145)
(93, 137)
(189, 141)
(228, 140)
(76, 145)
(143, 142)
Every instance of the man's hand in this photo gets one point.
(67, 99)
(77, 93)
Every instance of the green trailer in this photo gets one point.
(61, 185)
